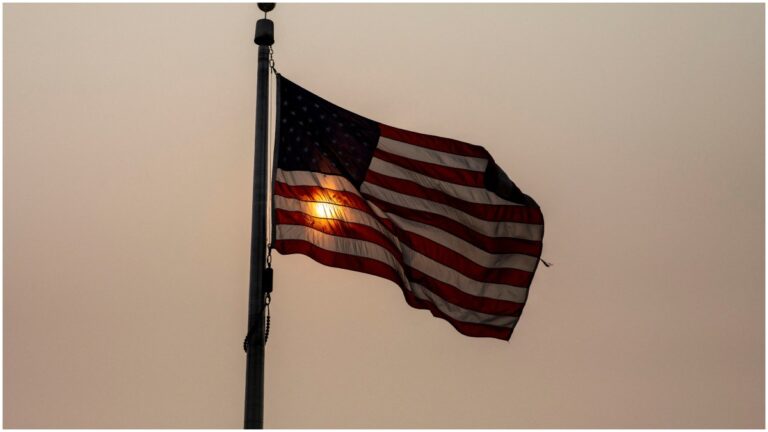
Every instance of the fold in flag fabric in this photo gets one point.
(434, 215)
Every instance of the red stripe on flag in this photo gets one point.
(456, 261)
(465, 328)
(452, 175)
(337, 259)
(321, 194)
(348, 199)
(454, 295)
(339, 228)
(490, 212)
(489, 244)
(433, 142)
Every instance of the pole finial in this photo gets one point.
(266, 7)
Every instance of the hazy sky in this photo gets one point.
(128, 150)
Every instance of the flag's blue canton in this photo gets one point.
(316, 135)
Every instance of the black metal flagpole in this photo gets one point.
(254, 341)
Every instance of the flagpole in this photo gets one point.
(254, 343)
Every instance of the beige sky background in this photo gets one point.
(128, 146)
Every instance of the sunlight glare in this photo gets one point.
(326, 210)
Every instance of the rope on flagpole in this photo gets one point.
(272, 60)
(270, 172)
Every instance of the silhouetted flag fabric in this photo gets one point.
(436, 216)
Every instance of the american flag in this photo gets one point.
(436, 216)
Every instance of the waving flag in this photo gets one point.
(436, 216)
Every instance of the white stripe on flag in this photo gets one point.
(344, 214)
(309, 178)
(490, 228)
(466, 193)
(459, 313)
(468, 250)
(424, 154)
(360, 248)
(470, 286)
